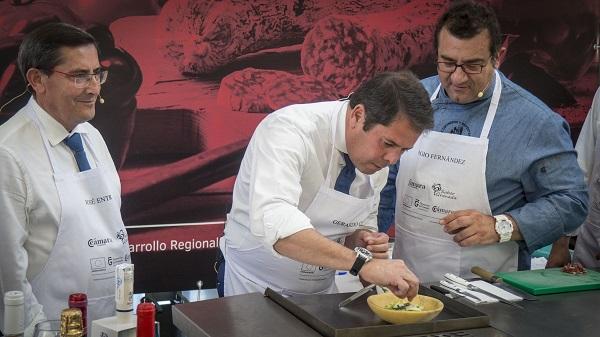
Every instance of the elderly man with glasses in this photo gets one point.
(61, 230)
(497, 178)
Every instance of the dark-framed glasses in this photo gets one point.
(468, 68)
(83, 80)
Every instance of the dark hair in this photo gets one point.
(389, 96)
(465, 19)
(41, 48)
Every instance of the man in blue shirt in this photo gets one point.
(497, 177)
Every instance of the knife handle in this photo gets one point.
(439, 289)
(452, 286)
(485, 275)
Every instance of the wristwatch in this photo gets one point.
(504, 227)
(363, 256)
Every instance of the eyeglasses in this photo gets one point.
(83, 80)
(468, 68)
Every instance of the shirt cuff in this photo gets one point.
(282, 222)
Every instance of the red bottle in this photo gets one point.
(79, 301)
(146, 313)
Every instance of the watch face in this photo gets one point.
(504, 226)
(363, 251)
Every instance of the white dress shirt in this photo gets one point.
(29, 205)
(283, 168)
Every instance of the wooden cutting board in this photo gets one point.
(551, 281)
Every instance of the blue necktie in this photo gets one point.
(346, 176)
(74, 143)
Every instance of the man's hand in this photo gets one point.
(559, 255)
(375, 242)
(392, 274)
(470, 228)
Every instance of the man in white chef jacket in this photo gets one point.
(497, 178)
(61, 230)
(587, 248)
(293, 221)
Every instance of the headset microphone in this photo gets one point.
(14, 98)
(100, 99)
(480, 94)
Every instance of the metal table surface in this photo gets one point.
(250, 315)
(562, 315)
(573, 314)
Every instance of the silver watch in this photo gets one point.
(504, 227)
(362, 257)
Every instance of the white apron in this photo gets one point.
(443, 173)
(91, 240)
(333, 214)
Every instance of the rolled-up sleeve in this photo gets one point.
(277, 162)
(557, 199)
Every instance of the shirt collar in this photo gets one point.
(55, 131)
(340, 133)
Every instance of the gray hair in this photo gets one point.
(41, 48)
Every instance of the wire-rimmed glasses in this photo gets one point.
(83, 80)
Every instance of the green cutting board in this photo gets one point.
(551, 281)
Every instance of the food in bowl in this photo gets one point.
(382, 305)
(404, 306)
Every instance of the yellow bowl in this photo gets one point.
(431, 308)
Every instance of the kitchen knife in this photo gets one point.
(465, 283)
(485, 275)
(497, 281)
(445, 291)
(356, 295)
(462, 291)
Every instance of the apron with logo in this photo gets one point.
(333, 214)
(91, 240)
(443, 173)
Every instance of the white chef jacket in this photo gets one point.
(283, 168)
(588, 146)
(29, 205)
(586, 143)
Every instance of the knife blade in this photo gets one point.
(459, 290)
(497, 281)
(465, 283)
(447, 292)
(356, 295)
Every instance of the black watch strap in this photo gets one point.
(358, 264)
(362, 256)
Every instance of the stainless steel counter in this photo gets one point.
(574, 314)
(562, 315)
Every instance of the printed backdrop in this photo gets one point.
(189, 80)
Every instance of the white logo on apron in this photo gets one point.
(454, 167)
(91, 240)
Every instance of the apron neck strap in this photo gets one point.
(489, 119)
(92, 155)
(491, 113)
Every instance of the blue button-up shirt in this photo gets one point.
(531, 166)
